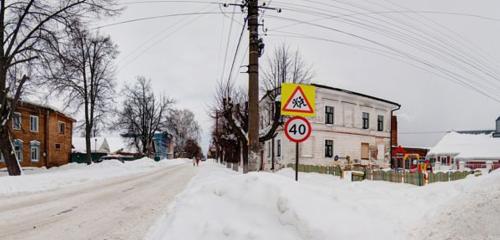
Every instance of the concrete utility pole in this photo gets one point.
(253, 86)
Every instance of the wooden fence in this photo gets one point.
(389, 176)
(335, 171)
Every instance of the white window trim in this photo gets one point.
(37, 147)
(20, 121)
(37, 123)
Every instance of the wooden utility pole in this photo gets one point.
(255, 50)
(253, 86)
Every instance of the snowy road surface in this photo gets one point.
(117, 208)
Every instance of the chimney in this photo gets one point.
(497, 129)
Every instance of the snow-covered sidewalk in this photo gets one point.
(41, 179)
(221, 204)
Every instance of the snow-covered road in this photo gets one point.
(116, 208)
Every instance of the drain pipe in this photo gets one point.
(390, 139)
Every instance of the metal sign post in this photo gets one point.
(296, 161)
(297, 129)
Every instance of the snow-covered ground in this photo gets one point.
(41, 179)
(222, 204)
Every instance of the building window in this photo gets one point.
(380, 123)
(366, 120)
(16, 121)
(278, 146)
(328, 148)
(34, 123)
(365, 151)
(60, 127)
(329, 114)
(35, 151)
(18, 149)
(58, 146)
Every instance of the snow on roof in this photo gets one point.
(46, 106)
(468, 146)
(107, 144)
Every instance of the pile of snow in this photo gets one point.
(468, 146)
(221, 204)
(41, 179)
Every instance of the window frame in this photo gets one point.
(37, 123)
(380, 123)
(35, 145)
(329, 115)
(63, 124)
(329, 148)
(18, 143)
(366, 120)
(14, 121)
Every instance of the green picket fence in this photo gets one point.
(388, 176)
(335, 171)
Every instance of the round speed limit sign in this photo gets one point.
(297, 129)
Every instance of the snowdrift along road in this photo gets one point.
(221, 204)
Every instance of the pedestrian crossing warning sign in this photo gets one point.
(298, 100)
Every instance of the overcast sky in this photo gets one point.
(183, 56)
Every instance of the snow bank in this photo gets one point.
(41, 179)
(221, 204)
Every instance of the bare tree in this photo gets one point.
(81, 71)
(143, 114)
(284, 66)
(25, 25)
(183, 127)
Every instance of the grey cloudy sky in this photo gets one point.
(184, 55)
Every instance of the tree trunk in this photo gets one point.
(8, 153)
(245, 157)
(88, 145)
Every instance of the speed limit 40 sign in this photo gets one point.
(297, 129)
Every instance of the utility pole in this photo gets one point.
(256, 47)
(253, 86)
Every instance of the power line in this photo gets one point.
(228, 40)
(161, 39)
(157, 17)
(166, 1)
(237, 50)
(453, 76)
(456, 53)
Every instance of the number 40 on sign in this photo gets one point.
(297, 129)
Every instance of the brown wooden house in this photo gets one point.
(41, 135)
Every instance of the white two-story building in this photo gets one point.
(347, 125)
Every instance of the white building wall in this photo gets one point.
(347, 132)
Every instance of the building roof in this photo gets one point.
(356, 93)
(345, 91)
(478, 146)
(44, 106)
